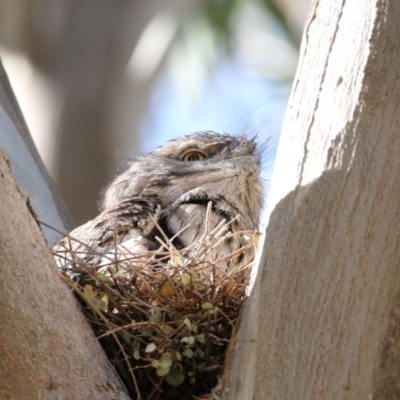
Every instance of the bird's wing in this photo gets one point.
(124, 227)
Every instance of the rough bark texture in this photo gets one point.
(323, 321)
(47, 350)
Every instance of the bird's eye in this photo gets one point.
(193, 156)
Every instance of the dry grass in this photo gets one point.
(166, 318)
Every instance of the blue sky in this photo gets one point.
(234, 100)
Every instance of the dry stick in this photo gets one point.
(51, 227)
(169, 241)
(132, 325)
(207, 222)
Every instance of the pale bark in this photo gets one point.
(47, 349)
(323, 319)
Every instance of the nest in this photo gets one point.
(166, 318)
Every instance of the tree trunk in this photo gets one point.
(47, 349)
(323, 319)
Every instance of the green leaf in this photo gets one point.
(166, 330)
(166, 361)
(200, 353)
(185, 279)
(164, 365)
(136, 355)
(155, 316)
(191, 340)
(213, 310)
(162, 371)
(100, 304)
(200, 338)
(207, 306)
(177, 260)
(188, 353)
(175, 377)
(104, 279)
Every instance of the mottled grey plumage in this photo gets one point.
(171, 188)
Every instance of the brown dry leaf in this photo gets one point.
(167, 290)
(88, 292)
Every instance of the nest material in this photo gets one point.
(166, 318)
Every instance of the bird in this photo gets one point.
(197, 186)
(185, 188)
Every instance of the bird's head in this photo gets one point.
(215, 164)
